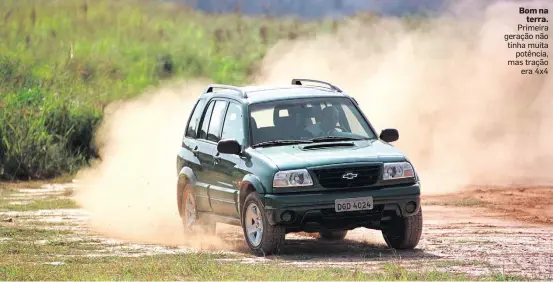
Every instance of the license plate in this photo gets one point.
(353, 204)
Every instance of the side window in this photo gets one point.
(216, 121)
(194, 120)
(205, 121)
(233, 128)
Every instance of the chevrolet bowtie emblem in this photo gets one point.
(349, 175)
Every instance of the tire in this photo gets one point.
(189, 214)
(333, 235)
(404, 233)
(265, 240)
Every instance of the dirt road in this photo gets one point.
(465, 235)
(475, 232)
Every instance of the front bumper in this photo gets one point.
(315, 211)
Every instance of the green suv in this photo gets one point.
(291, 158)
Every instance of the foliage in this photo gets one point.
(62, 61)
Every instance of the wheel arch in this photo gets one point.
(186, 176)
(250, 183)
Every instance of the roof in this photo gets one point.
(265, 93)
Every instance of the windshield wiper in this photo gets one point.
(281, 142)
(335, 138)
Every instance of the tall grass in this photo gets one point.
(61, 62)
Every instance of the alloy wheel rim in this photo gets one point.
(254, 225)
(190, 212)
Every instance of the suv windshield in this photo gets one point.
(319, 119)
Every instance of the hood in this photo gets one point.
(302, 156)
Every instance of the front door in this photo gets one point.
(210, 135)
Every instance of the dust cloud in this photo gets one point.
(464, 116)
(131, 193)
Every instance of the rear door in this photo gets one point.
(204, 152)
(188, 155)
(227, 167)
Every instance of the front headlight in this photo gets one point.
(292, 178)
(398, 171)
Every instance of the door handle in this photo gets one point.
(196, 152)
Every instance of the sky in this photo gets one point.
(314, 9)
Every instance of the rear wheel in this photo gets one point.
(262, 238)
(189, 214)
(404, 233)
(333, 235)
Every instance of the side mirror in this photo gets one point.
(389, 135)
(229, 146)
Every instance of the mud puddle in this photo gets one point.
(474, 239)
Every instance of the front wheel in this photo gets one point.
(404, 233)
(262, 238)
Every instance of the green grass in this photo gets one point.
(62, 62)
(449, 263)
(7, 202)
(29, 252)
(31, 233)
(205, 266)
(15, 251)
(32, 244)
(19, 184)
(49, 224)
(40, 204)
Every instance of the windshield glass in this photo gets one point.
(307, 119)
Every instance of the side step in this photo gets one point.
(212, 217)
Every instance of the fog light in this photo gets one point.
(287, 216)
(411, 207)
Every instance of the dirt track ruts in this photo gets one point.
(465, 236)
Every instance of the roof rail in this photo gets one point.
(227, 87)
(297, 81)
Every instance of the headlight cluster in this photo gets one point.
(398, 171)
(292, 178)
(301, 177)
